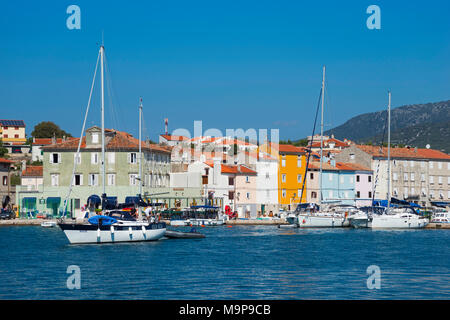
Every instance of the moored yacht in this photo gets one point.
(399, 218)
(112, 226)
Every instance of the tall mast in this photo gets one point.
(389, 153)
(321, 138)
(102, 53)
(140, 147)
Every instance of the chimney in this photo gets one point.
(415, 150)
(166, 125)
(54, 138)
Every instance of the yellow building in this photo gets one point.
(12, 131)
(291, 173)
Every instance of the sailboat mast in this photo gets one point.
(102, 53)
(140, 147)
(389, 152)
(321, 137)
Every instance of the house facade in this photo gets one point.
(418, 175)
(121, 167)
(12, 131)
(291, 173)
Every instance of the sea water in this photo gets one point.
(239, 262)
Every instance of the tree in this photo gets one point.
(48, 129)
(3, 150)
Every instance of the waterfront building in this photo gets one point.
(417, 175)
(342, 183)
(291, 172)
(266, 167)
(121, 166)
(359, 182)
(228, 185)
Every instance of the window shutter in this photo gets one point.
(51, 157)
(59, 157)
(129, 157)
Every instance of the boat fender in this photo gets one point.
(143, 230)
(98, 233)
(130, 231)
(112, 229)
(304, 221)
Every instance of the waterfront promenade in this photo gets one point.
(239, 222)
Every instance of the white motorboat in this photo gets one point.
(440, 215)
(48, 224)
(114, 226)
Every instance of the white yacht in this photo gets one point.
(113, 226)
(399, 218)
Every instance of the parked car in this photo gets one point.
(7, 214)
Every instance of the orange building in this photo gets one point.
(291, 172)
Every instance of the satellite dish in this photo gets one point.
(427, 146)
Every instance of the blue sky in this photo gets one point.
(231, 64)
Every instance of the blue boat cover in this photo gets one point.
(105, 220)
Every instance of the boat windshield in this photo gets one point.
(307, 207)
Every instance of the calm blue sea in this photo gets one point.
(242, 262)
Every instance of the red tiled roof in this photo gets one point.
(412, 153)
(49, 141)
(33, 171)
(3, 160)
(351, 166)
(226, 168)
(119, 140)
(286, 148)
(170, 137)
(337, 143)
(325, 166)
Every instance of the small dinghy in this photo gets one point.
(48, 224)
(171, 234)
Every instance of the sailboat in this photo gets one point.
(313, 216)
(113, 225)
(389, 218)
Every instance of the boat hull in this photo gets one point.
(310, 221)
(77, 234)
(383, 222)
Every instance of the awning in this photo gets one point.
(442, 204)
(53, 200)
(29, 202)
